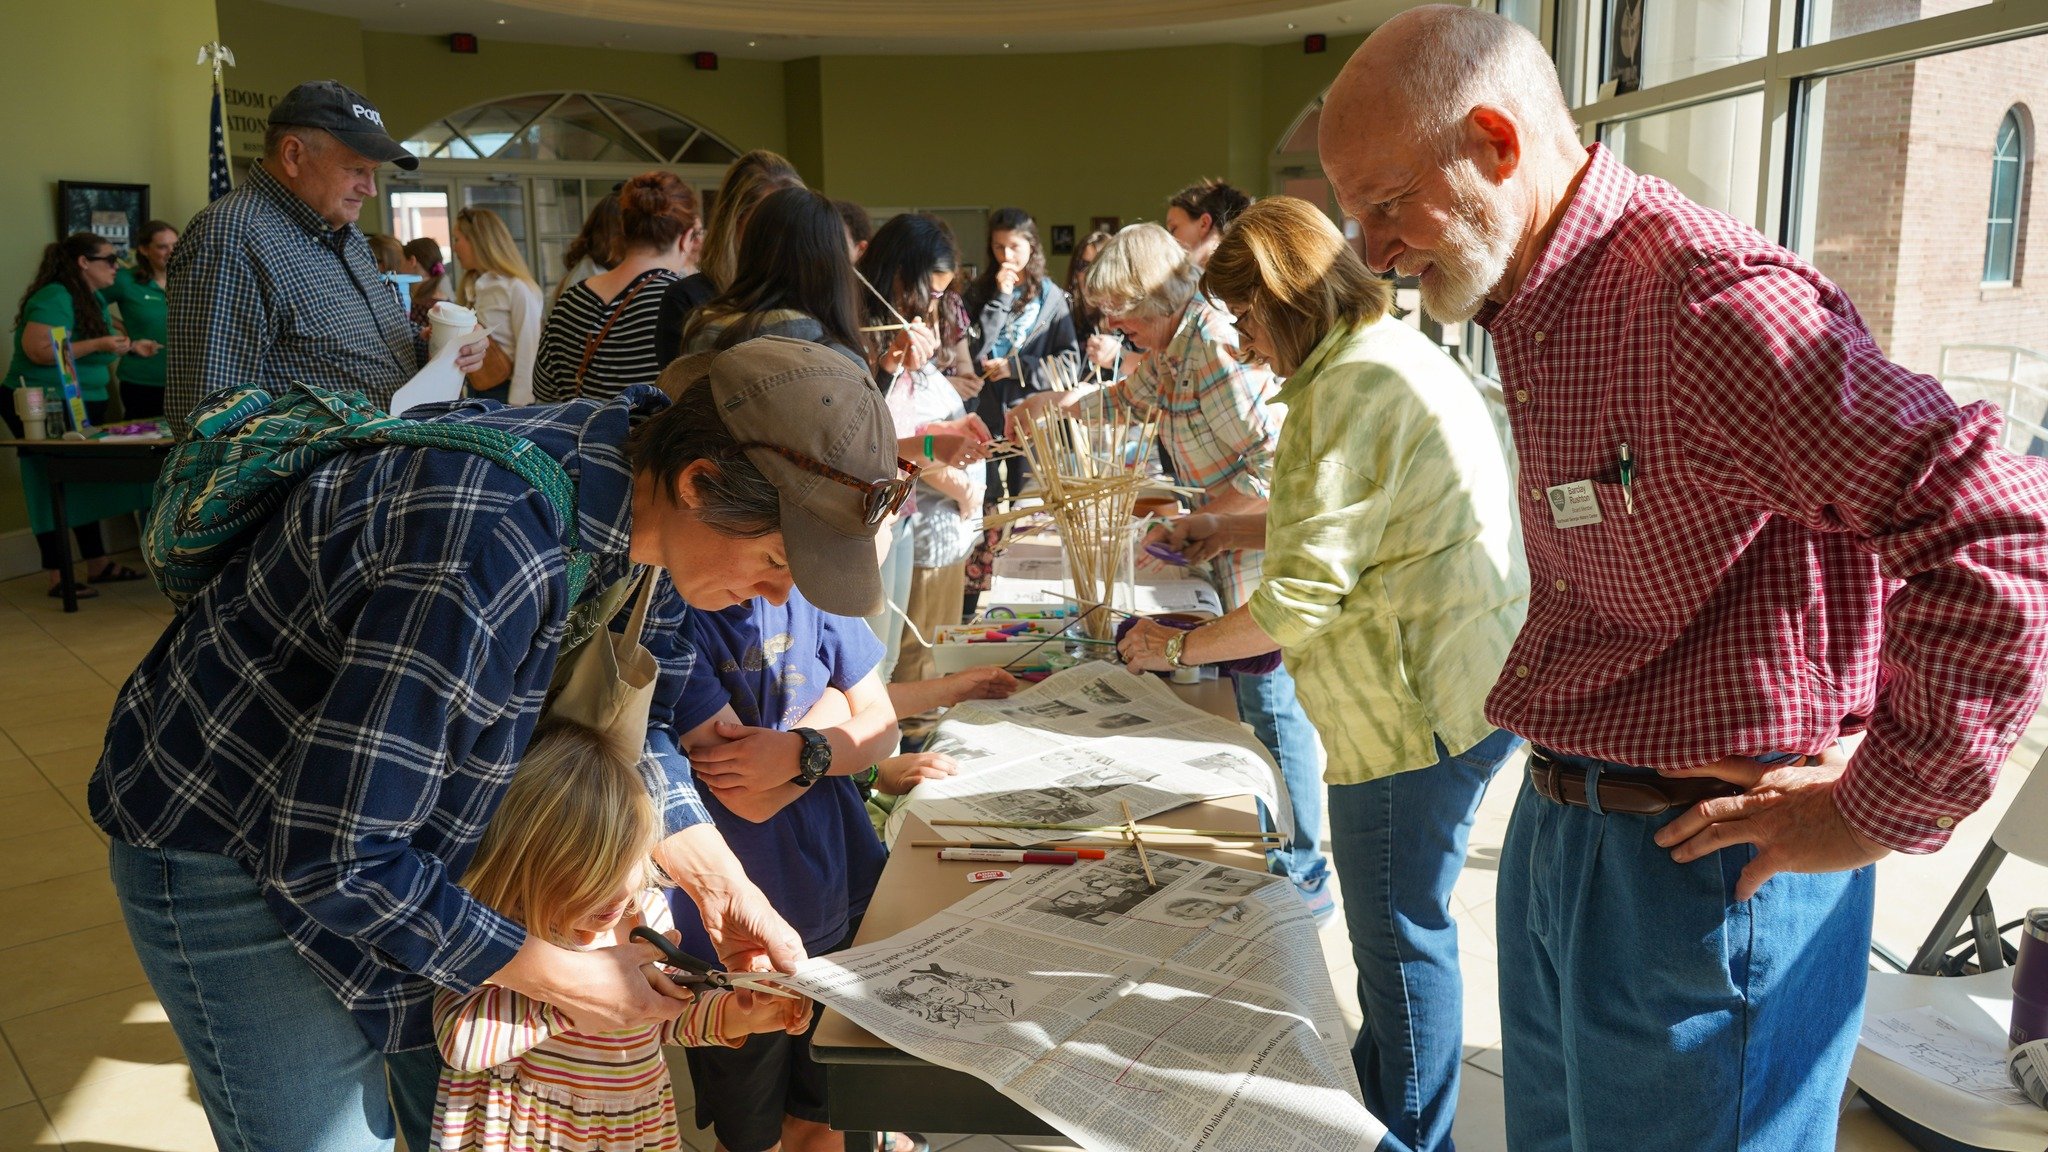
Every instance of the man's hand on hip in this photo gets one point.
(1787, 810)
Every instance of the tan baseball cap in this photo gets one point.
(810, 400)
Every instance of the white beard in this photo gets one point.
(1473, 253)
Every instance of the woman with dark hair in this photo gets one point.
(600, 337)
(793, 280)
(423, 259)
(913, 260)
(1198, 214)
(1024, 330)
(1097, 347)
(860, 227)
(138, 291)
(595, 248)
(64, 294)
(748, 181)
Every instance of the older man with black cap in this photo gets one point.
(273, 282)
(297, 776)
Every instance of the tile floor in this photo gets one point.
(89, 1062)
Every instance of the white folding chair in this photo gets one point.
(1981, 1004)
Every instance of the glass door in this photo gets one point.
(506, 196)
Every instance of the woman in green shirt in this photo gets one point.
(139, 293)
(1393, 585)
(64, 294)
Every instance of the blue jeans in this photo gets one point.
(1642, 1006)
(1268, 704)
(1399, 843)
(280, 1064)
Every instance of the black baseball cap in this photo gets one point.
(348, 115)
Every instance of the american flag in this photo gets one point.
(218, 181)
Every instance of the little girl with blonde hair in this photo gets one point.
(567, 857)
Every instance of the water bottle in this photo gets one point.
(2030, 980)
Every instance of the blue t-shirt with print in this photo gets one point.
(818, 859)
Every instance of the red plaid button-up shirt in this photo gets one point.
(1821, 539)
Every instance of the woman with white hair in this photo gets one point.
(1215, 425)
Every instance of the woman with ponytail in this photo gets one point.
(65, 295)
(600, 337)
(138, 291)
(423, 259)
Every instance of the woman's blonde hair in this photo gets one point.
(576, 821)
(748, 181)
(1285, 264)
(1142, 271)
(490, 242)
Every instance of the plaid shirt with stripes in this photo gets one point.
(264, 291)
(1818, 540)
(341, 710)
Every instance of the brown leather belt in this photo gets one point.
(1637, 795)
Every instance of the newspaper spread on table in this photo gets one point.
(1069, 749)
(1195, 1016)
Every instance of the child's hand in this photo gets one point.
(985, 683)
(899, 774)
(752, 1012)
(749, 759)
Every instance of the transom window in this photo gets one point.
(569, 126)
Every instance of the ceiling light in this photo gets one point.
(501, 22)
(1343, 19)
(1290, 27)
(750, 43)
(1006, 43)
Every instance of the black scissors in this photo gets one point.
(695, 973)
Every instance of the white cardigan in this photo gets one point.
(510, 309)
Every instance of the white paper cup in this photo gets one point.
(449, 323)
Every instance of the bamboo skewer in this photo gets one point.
(1131, 829)
(1111, 829)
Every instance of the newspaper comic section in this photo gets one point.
(1068, 749)
(1195, 1016)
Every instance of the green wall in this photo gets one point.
(276, 49)
(101, 90)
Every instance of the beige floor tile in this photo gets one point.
(43, 855)
(1485, 1059)
(70, 765)
(56, 907)
(114, 1114)
(20, 776)
(1862, 1131)
(24, 1127)
(1482, 1000)
(58, 672)
(99, 1037)
(67, 969)
(44, 736)
(1481, 1125)
(33, 812)
(14, 1089)
(88, 705)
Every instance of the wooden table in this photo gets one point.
(873, 1087)
(88, 462)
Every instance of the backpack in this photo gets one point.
(249, 449)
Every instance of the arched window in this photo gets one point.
(2002, 224)
(569, 126)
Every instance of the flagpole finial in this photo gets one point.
(216, 54)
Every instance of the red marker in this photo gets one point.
(1007, 856)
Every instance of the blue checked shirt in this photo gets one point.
(341, 710)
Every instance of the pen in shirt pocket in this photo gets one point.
(1628, 480)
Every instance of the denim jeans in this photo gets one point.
(1399, 843)
(1268, 704)
(896, 570)
(280, 1064)
(1643, 1006)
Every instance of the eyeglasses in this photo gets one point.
(109, 258)
(879, 497)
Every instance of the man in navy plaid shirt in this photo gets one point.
(297, 774)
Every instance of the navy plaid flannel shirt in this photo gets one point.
(341, 710)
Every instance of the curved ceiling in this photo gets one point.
(788, 29)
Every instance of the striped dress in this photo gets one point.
(625, 357)
(515, 1076)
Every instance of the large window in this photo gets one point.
(2002, 223)
(1709, 151)
(571, 126)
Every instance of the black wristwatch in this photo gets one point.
(814, 761)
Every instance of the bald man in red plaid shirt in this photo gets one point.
(1788, 608)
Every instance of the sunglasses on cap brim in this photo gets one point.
(879, 498)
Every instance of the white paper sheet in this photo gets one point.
(1936, 1047)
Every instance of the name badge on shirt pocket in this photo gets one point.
(1573, 505)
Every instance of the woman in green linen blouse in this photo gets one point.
(1393, 585)
(138, 292)
(64, 294)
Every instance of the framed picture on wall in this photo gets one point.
(1107, 224)
(115, 211)
(1062, 239)
(1625, 45)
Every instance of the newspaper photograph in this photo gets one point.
(1191, 1016)
(1076, 747)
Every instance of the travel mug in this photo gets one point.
(2030, 980)
(28, 404)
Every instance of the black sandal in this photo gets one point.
(116, 574)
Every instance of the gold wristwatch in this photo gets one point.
(1174, 646)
